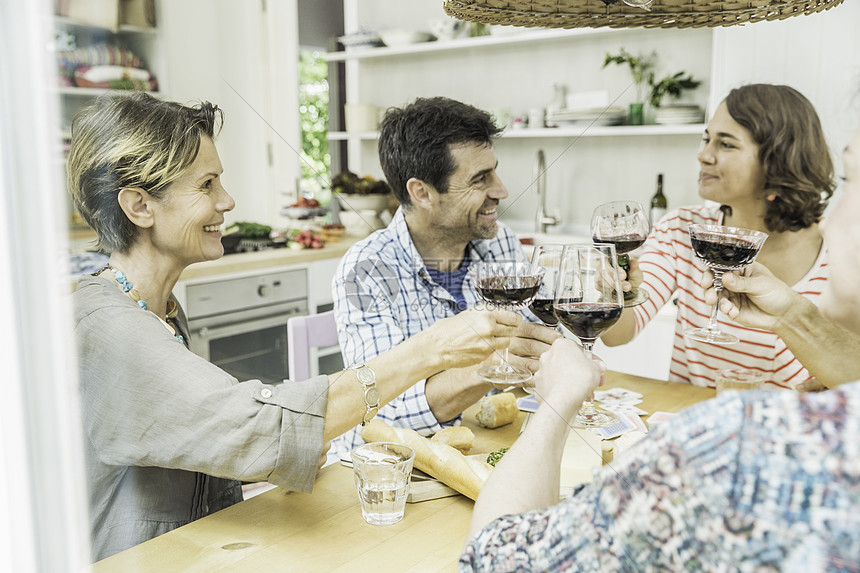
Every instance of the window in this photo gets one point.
(313, 107)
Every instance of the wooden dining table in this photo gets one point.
(324, 530)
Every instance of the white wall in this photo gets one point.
(245, 60)
(818, 55)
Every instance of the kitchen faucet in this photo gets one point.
(542, 219)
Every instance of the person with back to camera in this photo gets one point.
(437, 155)
(751, 481)
(766, 163)
(168, 434)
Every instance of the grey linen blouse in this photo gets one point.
(168, 434)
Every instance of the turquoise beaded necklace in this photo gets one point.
(129, 289)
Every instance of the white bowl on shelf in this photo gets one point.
(397, 37)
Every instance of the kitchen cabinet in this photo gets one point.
(513, 70)
(142, 41)
(251, 283)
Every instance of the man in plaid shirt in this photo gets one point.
(437, 154)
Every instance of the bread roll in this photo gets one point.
(460, 438)
(497, 410)
(466, 475)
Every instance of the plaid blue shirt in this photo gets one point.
(383, 294)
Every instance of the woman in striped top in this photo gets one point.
(766, 165)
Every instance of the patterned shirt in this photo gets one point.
(668, 263)
(383, 294)
(751, 481)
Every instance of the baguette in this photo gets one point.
(466, 475)
(497, 410)
(460, 438)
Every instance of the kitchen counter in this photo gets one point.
(271, 258)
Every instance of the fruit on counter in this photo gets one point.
(351, 184)
(308, 239)
(305, 203)
(250, 230)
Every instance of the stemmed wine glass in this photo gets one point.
(722, 249)
(625, 225)
(548, 257)
(510, 285)
(588, 300)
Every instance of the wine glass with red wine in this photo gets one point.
(722, 249)
(548, 257)
(510, 285)
(624, 224)
(588, 300)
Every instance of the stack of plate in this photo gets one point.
(360, 40)
(588, 116)
(676, 114)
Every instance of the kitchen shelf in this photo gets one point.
(577, 131)
(94, 92)
(66, 22)
(607, 131)
(466, 43)
(510, 73)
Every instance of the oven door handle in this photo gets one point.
(243, 327)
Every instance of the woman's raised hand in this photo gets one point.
(473, 335)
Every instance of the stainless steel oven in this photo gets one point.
(240, 324)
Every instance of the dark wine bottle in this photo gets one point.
(658, 202)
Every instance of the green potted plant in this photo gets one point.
(672, 86)
(640, 69)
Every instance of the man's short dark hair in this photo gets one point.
(415, 141)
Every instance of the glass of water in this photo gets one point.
(739, 379)
(382, 471)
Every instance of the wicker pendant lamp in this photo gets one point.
(617, 14)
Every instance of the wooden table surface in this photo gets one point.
(324, 531)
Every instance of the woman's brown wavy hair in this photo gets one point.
(792, 149)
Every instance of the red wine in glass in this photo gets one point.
(722, 249)
(587, 302)
(587, 320)
(548, 257)
(625, 225)
(542, 308)
(725, 253)
(508, 291)
(623, 243)
(510, 285)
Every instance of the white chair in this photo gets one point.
(305, 333)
